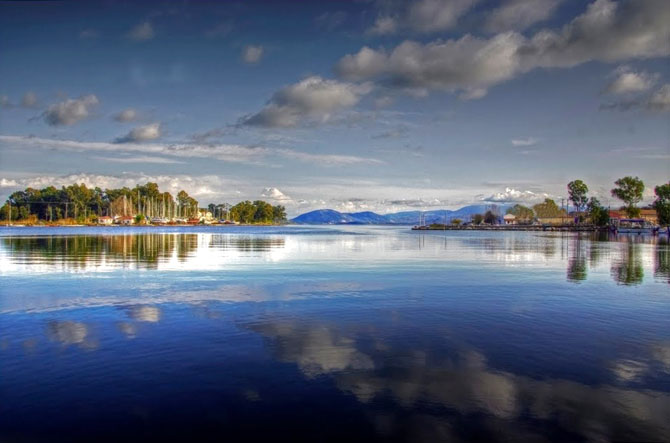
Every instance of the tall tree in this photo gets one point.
(521, 212)
(662, 204)
(577, 191)
(629, 190)
(598, 215)
(547, 209)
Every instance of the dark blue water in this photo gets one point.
(328, 334)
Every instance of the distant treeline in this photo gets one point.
(80, 203)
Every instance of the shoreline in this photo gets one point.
(540, 228)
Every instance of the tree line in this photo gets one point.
(82, 204)
(630, 190)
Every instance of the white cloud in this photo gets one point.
(606, 31)
(29, 100)
(252, 54)
(519, 14)
(8, 183)
(628, 81)
(528, 141)
(142, 133)
(138, 159)
(141, 32)
(511, 195)
(127, 115)
(660, 99)
(384, 25)
(422, 16)
(70, 111)
(275, 194)
(228, 153)
(312, 99)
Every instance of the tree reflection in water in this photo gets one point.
(627, 268)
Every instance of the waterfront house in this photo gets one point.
(105, 220)
(509, 219)
(647, 214)
(126, 220)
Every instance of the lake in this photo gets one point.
(332, 333)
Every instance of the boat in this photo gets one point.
(633, 226)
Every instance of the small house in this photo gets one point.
(126, 220)
(509, 219)
(105, 220)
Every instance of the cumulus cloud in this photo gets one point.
(519, 14)
(606, 31)
(141, 32)
(223, 152)
(511, 195)
(384, 25)
(142, 133)
(252, 54)
(275, 194)
(127, 115)
(422, 16)
(528, 141)
(660, 99)
(312, 99)
(70, 111)
(628, 81)
(29, 100)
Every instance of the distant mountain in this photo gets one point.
(332, 217)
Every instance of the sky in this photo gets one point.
(363, 105)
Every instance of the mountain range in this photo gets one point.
(332, 217)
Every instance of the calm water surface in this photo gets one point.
(332, 334)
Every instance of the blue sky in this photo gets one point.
(368, 105)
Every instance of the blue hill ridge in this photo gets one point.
(332, 217)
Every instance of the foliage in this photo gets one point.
(490, 218)
(629, 190)
(456, 221)
(548, 209)
(577, 191)
(662, 204)
(477, 219)
(521, 212)
(598, 214)
(257, 212)
(146, 201)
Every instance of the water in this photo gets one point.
(332, 334)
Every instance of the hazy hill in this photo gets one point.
(332, 217)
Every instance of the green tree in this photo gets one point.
(490, 218)
(456, 221)
(577, 191)
(598, 214)
(547, 209)
(521, 212)
(662, 204)
(629, 190)
(477, 219)
(263, 212)
(278, 214)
